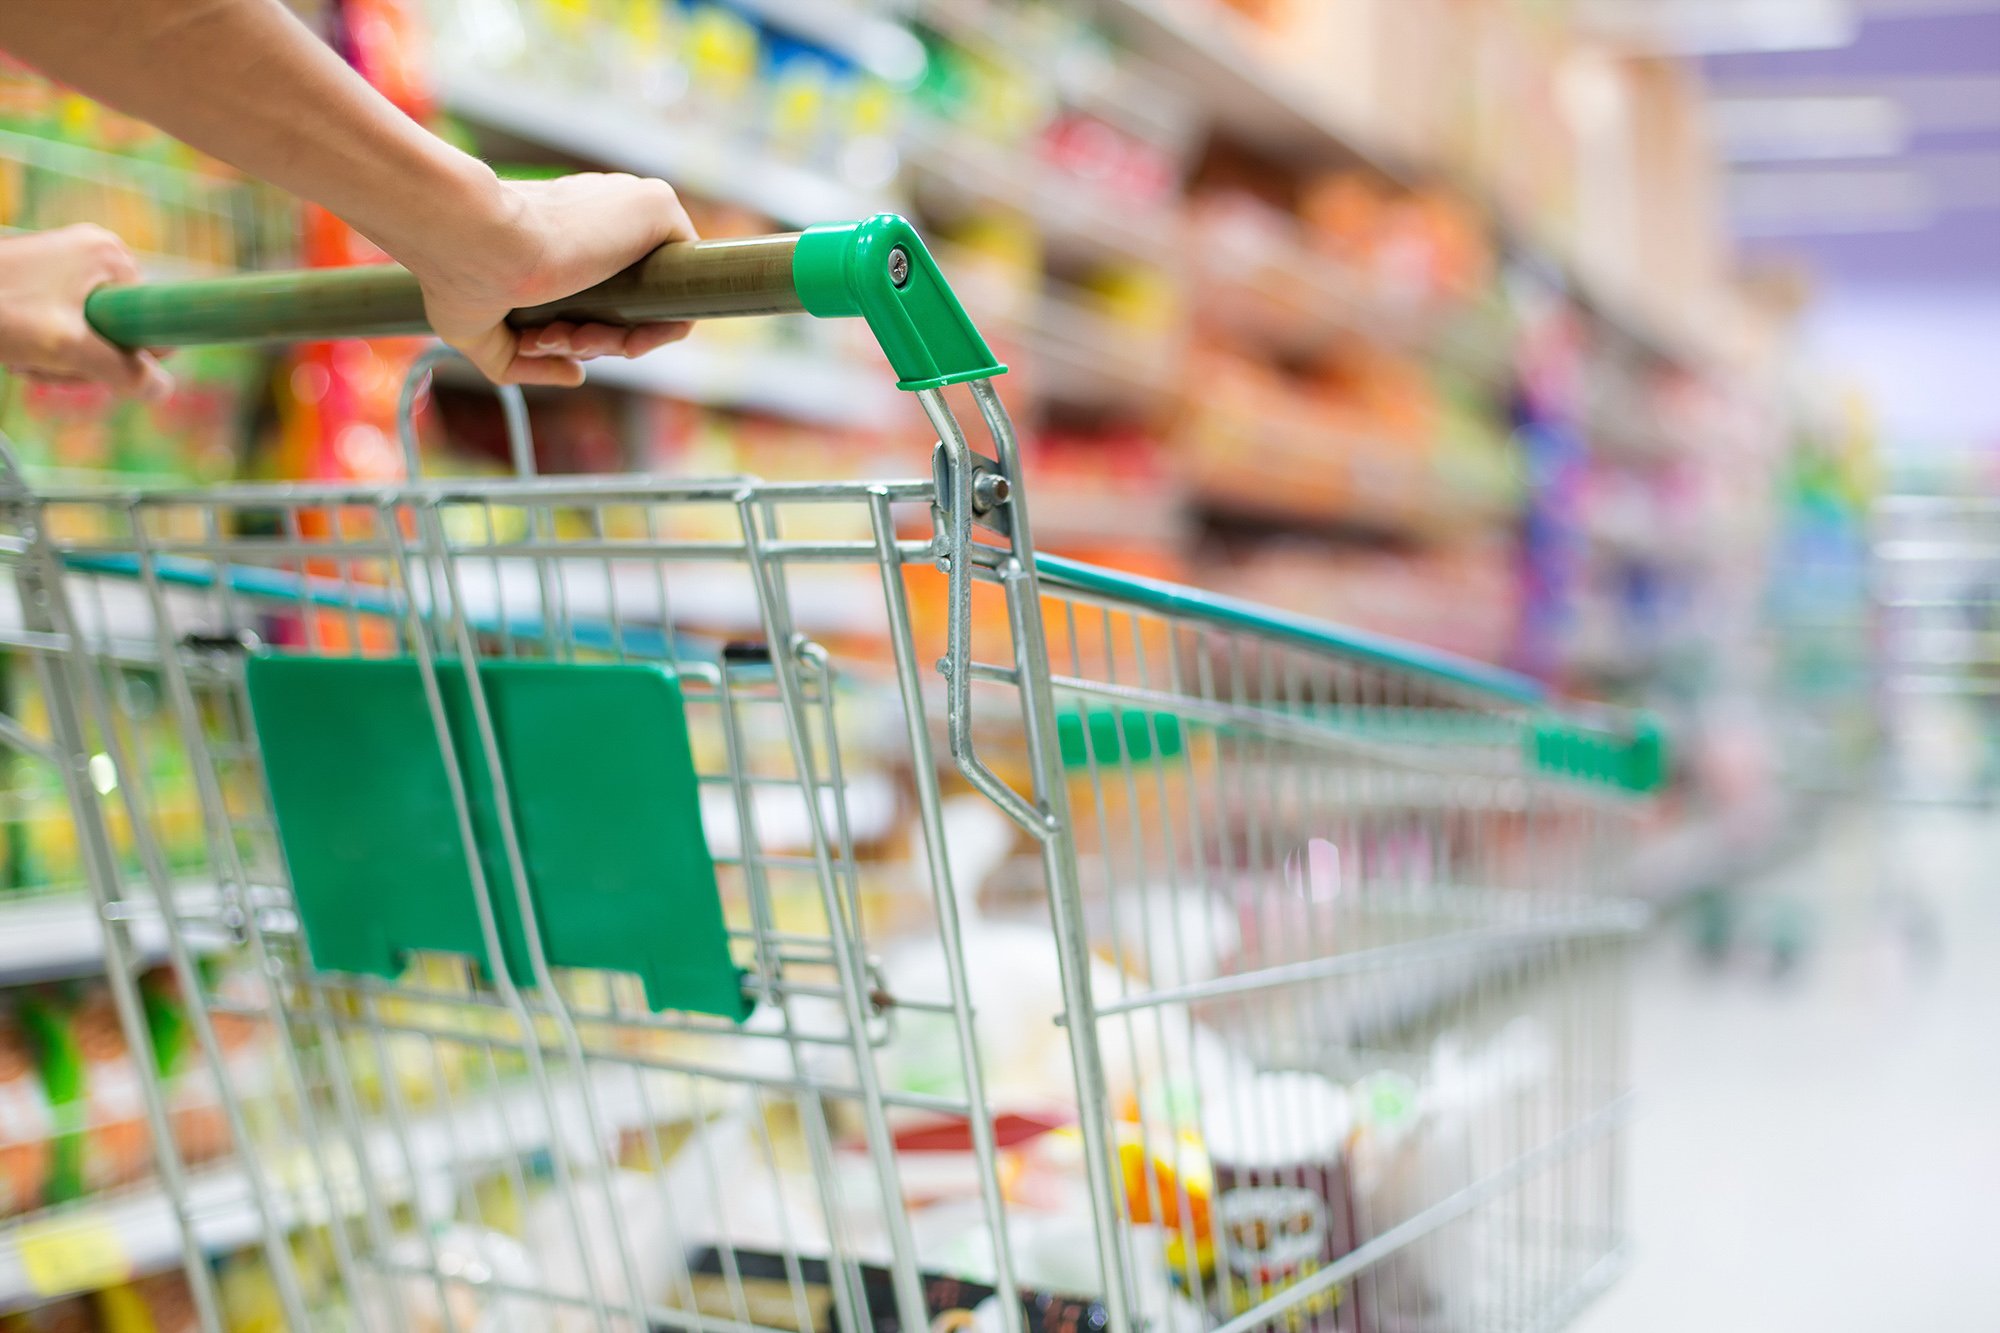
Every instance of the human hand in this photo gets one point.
(44, 279)
(538, 242)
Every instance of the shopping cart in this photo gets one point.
(593, 933)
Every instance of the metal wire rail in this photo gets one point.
(1086, 949)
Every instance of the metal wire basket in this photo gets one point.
(921, 933)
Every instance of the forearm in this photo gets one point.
(244, 81)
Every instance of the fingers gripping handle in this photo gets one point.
(878, 270)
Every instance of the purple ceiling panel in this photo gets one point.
(1963, 245)
(1939, 44)
(1958, 248)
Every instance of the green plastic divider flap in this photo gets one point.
(1636, 762)
(847, 269)
(602, 790)
(1111, 736)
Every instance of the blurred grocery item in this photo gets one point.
(75, 1315)
(1112, 495)
(163, 1303)
(576, 1242)
(482, 1257)
(1283, 1198)
(27, 1121)
(95, 1088)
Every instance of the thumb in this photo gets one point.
(156, 385)
(134, 374)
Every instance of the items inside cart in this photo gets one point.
(1191, 966)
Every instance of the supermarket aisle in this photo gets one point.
(1823, 1152)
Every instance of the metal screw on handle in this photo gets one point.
(990, 490)
(899, 267)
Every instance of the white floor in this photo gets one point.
(1820, 1151)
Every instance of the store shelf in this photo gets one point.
(1622, 422)
(1631, 440)
(1295, 472)
(1116, 88)
(1086, 359)
(49, 937)
(955, 169)
(712, 598)
(1286, 115)
(116, 615)
(1273, 289)
(158, 267)
(1069, 518)
(784, 823)
(182, 220)
(1645, 541)
(135, 1233)
(799, 386)
(705, 598)
(603, 128)
(877, 44)
(1211, 50)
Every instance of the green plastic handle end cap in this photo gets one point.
(881, 271)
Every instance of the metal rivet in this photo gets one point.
(899, 266)
(990, 490)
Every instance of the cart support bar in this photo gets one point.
(878, 270)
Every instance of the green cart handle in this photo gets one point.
(878, 270)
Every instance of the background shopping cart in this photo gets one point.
(1241, 972)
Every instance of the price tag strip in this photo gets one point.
(69, 1255)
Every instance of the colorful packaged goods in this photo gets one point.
(93, 1086)
(162, 1303)
(27, 1122)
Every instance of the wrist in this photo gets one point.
(464, 224)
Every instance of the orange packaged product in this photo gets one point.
(1344, 214)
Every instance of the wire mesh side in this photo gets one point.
(1354, 969)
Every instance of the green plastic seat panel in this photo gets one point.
(601, 785)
